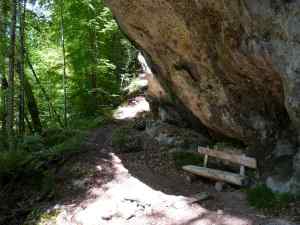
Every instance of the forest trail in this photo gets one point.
(120, 189)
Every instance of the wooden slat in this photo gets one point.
(219, 175)
(231, 157)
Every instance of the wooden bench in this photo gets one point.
(220, 175)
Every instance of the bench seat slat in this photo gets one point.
(214, 174)
(231, 157)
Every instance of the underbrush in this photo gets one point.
(127, 139)
(227, 143)
(186, 158)
(28, 174)
(34, 154)
(261, 197)
(12, 163)
(83, 122)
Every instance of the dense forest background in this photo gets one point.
(63, 63)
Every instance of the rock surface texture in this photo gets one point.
(234, 65)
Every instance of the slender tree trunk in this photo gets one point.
(94, 60)
(11, 75)
(32, 106)
(31, 103)
(22, 65)
(64, 63)
(3, 56)
(4, 87)
(93, 75)
(44, 91)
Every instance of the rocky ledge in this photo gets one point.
(231, 66)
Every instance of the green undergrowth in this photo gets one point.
(126, 139)
(40, 216)
(84, 123)
(186, 158)
(29, 174)
(227, 143)
(35, 154)
(261, 197)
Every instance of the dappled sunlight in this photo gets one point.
(102, 187)
(132, 109)
(125, 199)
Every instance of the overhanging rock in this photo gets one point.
(234, 64)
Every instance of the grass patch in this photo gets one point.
(261, 197)
(186, 158)
(126, 139)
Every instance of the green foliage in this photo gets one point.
(221, 145)
(71, 145)
(262, 197)
(86, 123)
(99, 58)
(47, 183)
(12, 163)
(31, 143)
(228, 143)
(3, 143)
(186, 158)
(55, 136)
(33, 161)
(99, 63)
(40, 216)
(120, 137)
(126, 139)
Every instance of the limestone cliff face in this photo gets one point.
(235, 64)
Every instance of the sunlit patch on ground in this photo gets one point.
(132, 109)
(125, 200)
(110, 188)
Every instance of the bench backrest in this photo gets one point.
(231, 157)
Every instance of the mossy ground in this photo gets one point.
(273, 204)
(186, 158)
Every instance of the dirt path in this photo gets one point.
(119, 191)
(103, 187)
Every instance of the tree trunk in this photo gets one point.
(22, 64)
(32, 106)
(44, 91)
(11, 75)
(93, 74)
(3, 56)
(64, 63)
(3, 113)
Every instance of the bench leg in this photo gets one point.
(219, 186)
(190, 178)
